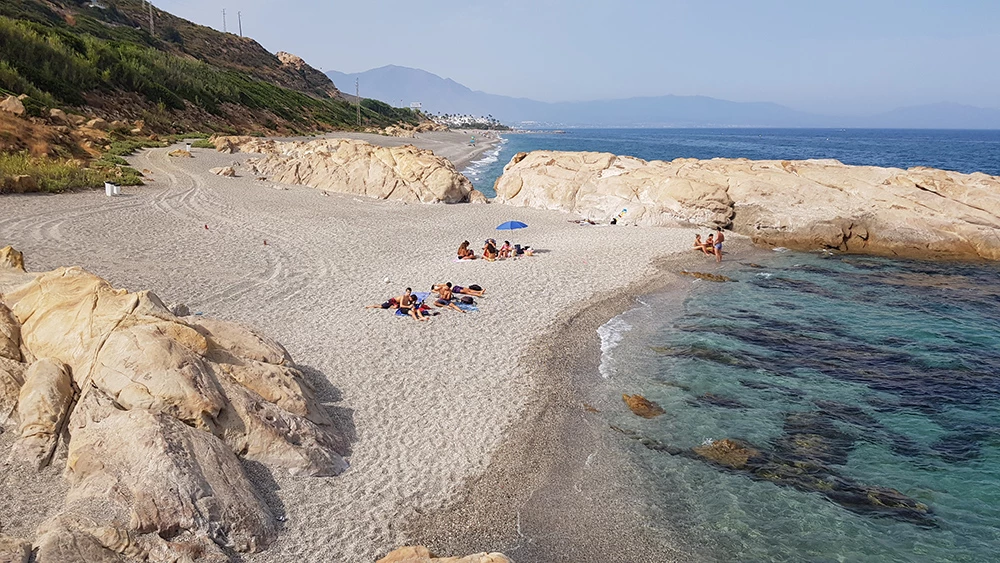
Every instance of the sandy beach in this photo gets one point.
(433, 409)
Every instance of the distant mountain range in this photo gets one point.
(400, 86)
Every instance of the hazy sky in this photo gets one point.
(824, 56)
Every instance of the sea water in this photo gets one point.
(960, 151)
(847, 373)
(868, 372)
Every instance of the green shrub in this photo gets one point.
(202, 144)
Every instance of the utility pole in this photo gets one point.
(224, 20)
(239, 16)
(357, 94)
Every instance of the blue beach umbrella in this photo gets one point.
(511, 225)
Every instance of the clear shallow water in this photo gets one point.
(961, 151)
(865, 372)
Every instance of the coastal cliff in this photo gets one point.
(811, 204)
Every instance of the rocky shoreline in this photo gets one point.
(805, 205)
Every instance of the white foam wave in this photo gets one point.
(477, 167)
(611, 333)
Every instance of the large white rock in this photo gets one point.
(403, 173)
(920, 212)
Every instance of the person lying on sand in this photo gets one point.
(392, 303)
(408, 304)
(464, 252)
(490, 250)
(473, 290)
(445, 296)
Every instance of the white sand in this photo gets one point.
(426, 402)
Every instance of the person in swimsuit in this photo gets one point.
(392, 303)
(408, 305)
(445, 296)
(490, 250)
(698, 244)
(506, 249)
(464, 252)
(709, 245)
(719, 239)
(465, 290)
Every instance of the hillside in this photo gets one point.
(104, 62)
(400, 86)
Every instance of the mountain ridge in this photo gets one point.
(401, 85)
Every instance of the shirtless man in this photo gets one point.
(719, 239)
(466, 291)
(445, 296)
(408, 305)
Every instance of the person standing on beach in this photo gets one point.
(719, 238)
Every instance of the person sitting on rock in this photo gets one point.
(464, 252)
(490, 250)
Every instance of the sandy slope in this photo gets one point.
(425, 403)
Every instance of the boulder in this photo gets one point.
(59, 117)
(13, 550)
(227, 171)
(13, 105)
(643, 406)
(918, 213)
(476, 196)
(403, 173)
(98, 124)
(420, 554)
(18, 184)
(165, 410)
(10, 258)
(139, 128)
(180, 153)
(728, 453)
(719, 278)
(10, 335)
(43, 404)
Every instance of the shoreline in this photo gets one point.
(561, 486)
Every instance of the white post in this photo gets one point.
(118, 189)
(109, 189)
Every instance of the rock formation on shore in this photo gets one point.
(151, 415)
(920, 212)
(403, 173)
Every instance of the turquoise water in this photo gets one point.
(864, 374)
(961, 151)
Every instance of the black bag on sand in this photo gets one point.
(468, 300)
(475, 288)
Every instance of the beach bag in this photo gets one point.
(474, 287)
(468, 300)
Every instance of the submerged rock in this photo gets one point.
(707, 277)
(420, 554)
(643, 406)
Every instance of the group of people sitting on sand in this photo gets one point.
(448, 297)
(491, 252)
(712, 245)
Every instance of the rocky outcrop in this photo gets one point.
(156, 412)
(11, 104)
(920, 212)
(13, 550)
(227, 171)
(180, 153)
(400, 173)
(420, 554)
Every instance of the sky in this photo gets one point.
(835, 57)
